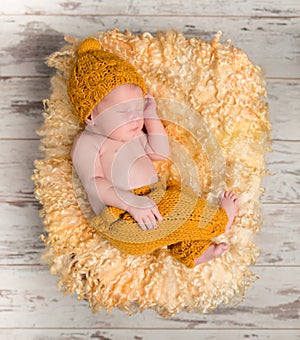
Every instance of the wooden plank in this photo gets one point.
(21, 107)
(279, 238)
(59, 8)
(18, 157)
(29, 296)
(284, 104)
(156, 7)
(27, 40)
(21, 228)
(216, 8)
(16, 167)
(284, 165)
(137, 334)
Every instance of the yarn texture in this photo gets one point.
(93, 77)
(209, 82)
(186, 217)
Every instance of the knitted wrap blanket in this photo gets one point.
(186, 217)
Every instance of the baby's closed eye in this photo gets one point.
(129, 115)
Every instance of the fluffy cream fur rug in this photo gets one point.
(209, 96)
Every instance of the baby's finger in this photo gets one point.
(149, 101)
(157, 214)
(151, 223)
(149, 96)
(142, 225)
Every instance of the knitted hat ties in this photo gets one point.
(95, 73)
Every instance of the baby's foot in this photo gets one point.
(213, 251)
(229, 204)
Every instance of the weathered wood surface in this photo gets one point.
(30, 306)
(214, 8)
(18, 157)
(272, 43)
(21, 106)
(29, 298)
(164, 334)
(278, 239)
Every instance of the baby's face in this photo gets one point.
(119, 115)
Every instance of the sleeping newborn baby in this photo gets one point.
(114, 155)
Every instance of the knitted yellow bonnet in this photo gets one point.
(96, 72)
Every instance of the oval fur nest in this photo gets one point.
(223, 87)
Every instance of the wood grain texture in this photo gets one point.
(21, 106)
(29, 298)
(272, 43)
(30, 306)
(284, 165)
(18, 157)
(278, 239)
(137, 334)
(155, 7)
(284, 105)
(17, 165)
(21, 227)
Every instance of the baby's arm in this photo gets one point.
(85, 152)
(157, 146)
(142, 209)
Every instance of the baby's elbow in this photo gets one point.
(160, 150)
(166, 151)
(161, 156)
(156, 157)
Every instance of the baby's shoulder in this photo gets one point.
(86, 142)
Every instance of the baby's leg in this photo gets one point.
(229, 204)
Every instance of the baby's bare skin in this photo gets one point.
(229, 204)
(137, 168)
(124, 161)
(137, 171)
(121, 116)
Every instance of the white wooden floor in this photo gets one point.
(30, 306)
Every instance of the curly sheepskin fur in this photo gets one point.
(210, 98)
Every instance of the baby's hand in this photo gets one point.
(150, 107)
(145, 214)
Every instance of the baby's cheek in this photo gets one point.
(118, 126)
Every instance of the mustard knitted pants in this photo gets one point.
(189, 223)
